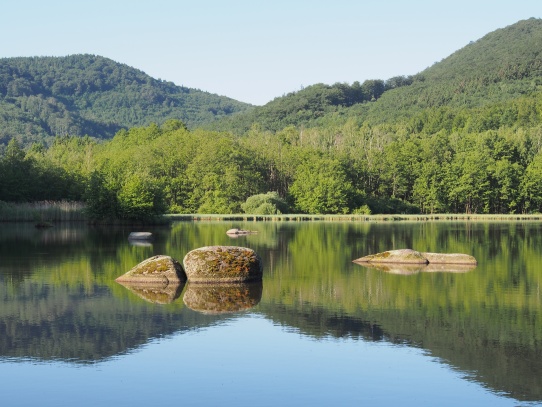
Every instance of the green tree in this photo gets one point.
(321, 186)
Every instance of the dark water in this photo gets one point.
(319, 330)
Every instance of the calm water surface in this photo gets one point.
(319, 330)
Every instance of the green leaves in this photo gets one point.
(321, 186)
(265, 204)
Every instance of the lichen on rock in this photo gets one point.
(212, 264)
(157, 270)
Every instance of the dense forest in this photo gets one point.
(465, 135)
(78, 95)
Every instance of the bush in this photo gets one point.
(265, 204)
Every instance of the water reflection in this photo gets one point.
(58, 298)
(222, 298)
(157, 294)
(408, 269)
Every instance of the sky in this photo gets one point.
(256, 50)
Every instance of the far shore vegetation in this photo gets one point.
(48, 213)
(461, 137)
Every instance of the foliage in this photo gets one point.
(265, 204)
(425, 144)
(43, 97)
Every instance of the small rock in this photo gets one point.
(238, 232)
(407, 256)
(157, 270)
(140, 236)
(226, 264)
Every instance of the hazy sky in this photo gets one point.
(254, 51)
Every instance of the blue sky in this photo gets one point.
(253, 50)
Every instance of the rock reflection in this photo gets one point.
(222, 298)
(409, 269)
(155, 294)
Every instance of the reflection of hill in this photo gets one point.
(48, 322)
(493, 346)
(62, 302)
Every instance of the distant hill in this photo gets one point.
(503, 65)
(42, 97)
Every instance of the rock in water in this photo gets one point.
(406, 256)
(450, 258)
(222, 264)
(140, 236)
(157, 270)
(239, 232)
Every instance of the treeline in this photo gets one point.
(460, 165)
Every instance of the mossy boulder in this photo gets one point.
(405, 256)
(159, 271)
(222, 298)
(222, 264)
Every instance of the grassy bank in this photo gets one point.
(65, 211)
(44, 211)
(357, 218)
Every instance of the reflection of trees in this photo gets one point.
(62, 322)
(485, 322)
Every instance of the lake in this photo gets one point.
(319, 329)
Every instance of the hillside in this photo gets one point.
(504, 65)
(42, 97)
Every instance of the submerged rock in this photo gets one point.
(157, 270)
(226, 264)
(222, 298)
(449, 258)
(407, 256)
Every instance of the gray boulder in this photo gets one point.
(159, 271)
(222, 264)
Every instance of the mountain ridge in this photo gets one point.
(81, 94)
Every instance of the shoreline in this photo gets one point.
(351, 218)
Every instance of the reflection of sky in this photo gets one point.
(248, 361)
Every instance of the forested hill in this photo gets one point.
(503, 66)
(87, 94)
